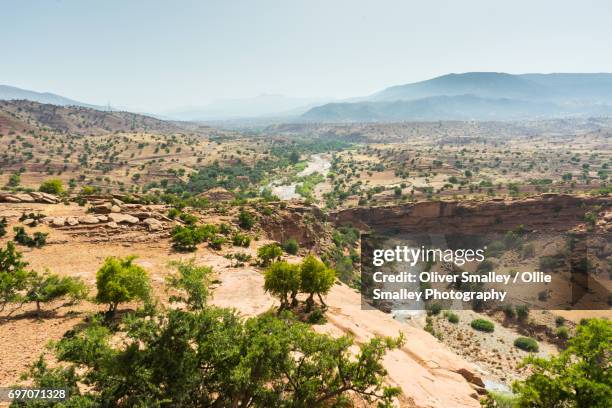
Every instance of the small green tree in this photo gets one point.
(119, 280)
(192, 282)
(269, 252)
(282, 280)
(578, 377)
(184, 239)
(47, 288)
(13, 276)
(316, 278)
(37, 240)
(52, 186)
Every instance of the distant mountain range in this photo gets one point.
(478, 96)
(8, 93)
(466, 96)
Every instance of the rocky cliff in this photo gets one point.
(548, 211)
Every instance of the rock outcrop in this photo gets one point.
(549, 211)
(32, 197)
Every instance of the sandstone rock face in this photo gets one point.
(551, 212)
(58, 221)
(115, 209)
(305, 224)
(119, 218)
(72, 221)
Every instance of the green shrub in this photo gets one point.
(560, 321)
(562, 332)
(37, 240)
(173, 213)
(269, 253)
(522, 312)
(216, 242)
(433, 309)
(241, 240)
(316, 317)
(527, 344)
(482, 325)
(246, 220)
(47, 287)
(191, 282)
(52, 186)
(509, 311)
(453, 318)
(291, 246)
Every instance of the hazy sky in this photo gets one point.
(157, 55)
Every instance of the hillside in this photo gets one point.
(13, 93)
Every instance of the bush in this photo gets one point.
(185, 239)
(269, 252)
(216, 242)
(509, 311)
(173, 213)
(38, 240)
(119, 281)
(3, 225)
(241, 240)
(522, 312)
(560, 321)
(563, 332)
(52, 186)
(188, 219)
(453, 318)
(482, 325)
(527, 344)
(291, 246)
(316, 317)
(433, 309)
(245, 220)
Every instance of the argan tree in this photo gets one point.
(316, 278)
(282, 280)
(191, 281)
(580, 376)
(48, 287)
(119, 280)
(13, 276)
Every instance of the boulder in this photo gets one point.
(104, 208)
(115, 209)
(27, 221)
(119, 218)
(58, 221)
(72, 221)
(117, 202)
(11, 199)
(154, 225)
(112, 224)
(88, 219)
(102, 218)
